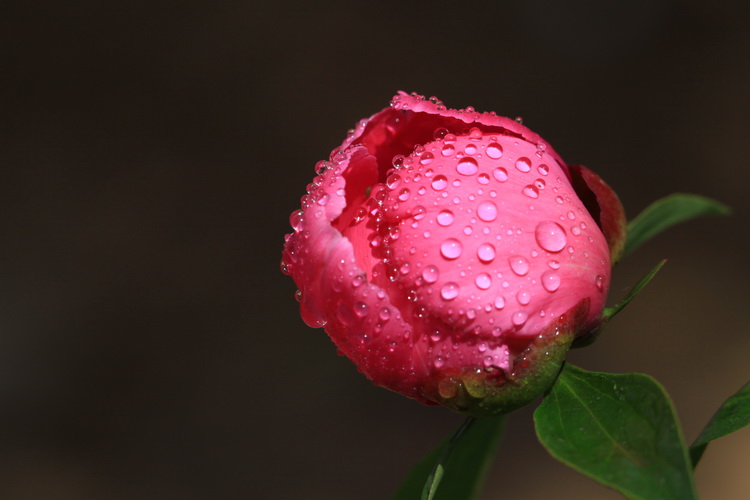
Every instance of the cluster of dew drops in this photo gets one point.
(549, 235)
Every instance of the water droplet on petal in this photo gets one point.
(483, 281)
(519, 318)
(550, 236)
(393, 181)
(360, 309)
(523, 164)
(404, 194)
(439, 133)
(448, 150)
(599, 281)
(445, 218)
(384, 314)
(483, 179)
(470, 149)
(449, 291)
(531, 191)
(554, 264)
(499, 302)
(550, 281)
(500, 174)
(438, 362)
(430, 274)
(486, 252)
(451, 248)
(494, 151)
(439, 182)
(426, 158)
(474, 134)
(487, 211)
(519, 265)
(543, 169)
(523, 297)
(467, 166)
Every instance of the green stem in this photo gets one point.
(436, 474)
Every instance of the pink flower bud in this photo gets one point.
(450, 255)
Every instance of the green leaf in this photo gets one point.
(733, 415)
(620, 430)
(456, 469)
(667, 212)
(609, 312)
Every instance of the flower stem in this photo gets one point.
(436, 474)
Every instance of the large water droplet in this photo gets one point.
(474, 133)
(393, 181)
(448, 150)
(519, 265)
(550, 281)
(360, 309)
(451, 248)
(403, 195)
(438, 362)
(445, 218)
(430, 274)
(483, 281)
(439, 182)
(470, 149)
(483, 178)
(449, 291)
(494, 151)
(523, 164)
(467, 166)
(550, 236)
(519, 318)
(543, 169)
(426, 158)
(499, 302)
(523, 297)
(531, 191)
(487, 211)
(500, 174)
(486, 252)
(384, 314)
(439, 133)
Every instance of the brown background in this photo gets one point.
(152, 151)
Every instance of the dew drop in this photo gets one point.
(483, 178)
(575, 230)
(519, 265)
(486, 252)
(553, 264)
(499, 302)
(470, 149)
(487, 211)
(483, 281)
(523, 297)
(550, 236)
(426, 158)
(445, 218)
(430, 274)
(500, 174)
(559, 200)
(360, 309)
(451, 248)
(448, 150)
(393, 181)
(531, 191)
(519, 318)
(467, 166)
(523, 164)
(404, 194)
(449, 291)
(599, 281)
(474, 134)
(418, 212)
(543, 169)
(439, 182)
(438, 362)
(439, 133)
(494, 151)
(550, 281)
(384, 314)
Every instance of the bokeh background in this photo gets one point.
(152, 151)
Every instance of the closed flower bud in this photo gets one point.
(452, 255)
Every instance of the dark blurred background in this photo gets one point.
(152, 151)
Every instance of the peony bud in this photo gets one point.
(451, 255)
